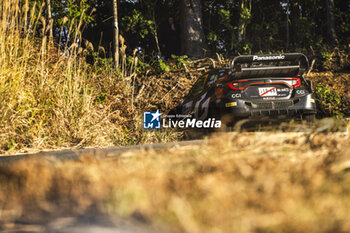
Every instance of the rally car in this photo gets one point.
(257, 86)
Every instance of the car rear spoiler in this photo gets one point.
(255, 65)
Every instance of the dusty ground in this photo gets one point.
(238, 182)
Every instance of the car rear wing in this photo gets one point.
(289, 64)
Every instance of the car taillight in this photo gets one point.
(236, 86)
(296, 82)
(242, 84)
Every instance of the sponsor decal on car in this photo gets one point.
(236, 96)
(301, 92)
(232, 104)
(269, 98)
(267, 91)
(264, 58)
(283, 90)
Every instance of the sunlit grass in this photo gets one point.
(240, 182)
(51, 100)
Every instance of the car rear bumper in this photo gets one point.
(279, 109)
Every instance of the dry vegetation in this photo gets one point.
(264, 182)
(250, 182)
(337, 83)
(50, 100)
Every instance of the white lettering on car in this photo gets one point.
(264, 58)
(236, 96)
(202, 104)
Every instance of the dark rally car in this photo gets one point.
(258, 86)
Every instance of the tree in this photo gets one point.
(116, 34)
(332, 36)
(225, 26)
(192, 35)
(287, 25)
(49, 19)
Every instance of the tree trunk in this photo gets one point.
(241, 25)
(332, 36)
(156, 34)
(294, 18)
(49, 19)
(287, 27)
(116, 34)
(192, 35)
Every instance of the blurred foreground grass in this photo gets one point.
(238, 182)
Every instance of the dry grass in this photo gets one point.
(248, 182)
(263, 182)
(50, 100)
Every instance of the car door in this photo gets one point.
(201, 95)
(195, 96)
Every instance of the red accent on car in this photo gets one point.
(295, 82)
(232, 87)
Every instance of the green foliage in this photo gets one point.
(78, 9)
(101, 98)
(326, 59)
(262, 23)
(342, 19)
(330, 100)
(212, 37)
(162, 67)
(102, 64)
(137, 24)
(10, 145)
(69, 13)
(304, 31)
(224, 16)
(141, 67)
(245, 14)
(247, 48)
(180, 61)
(326, 56)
